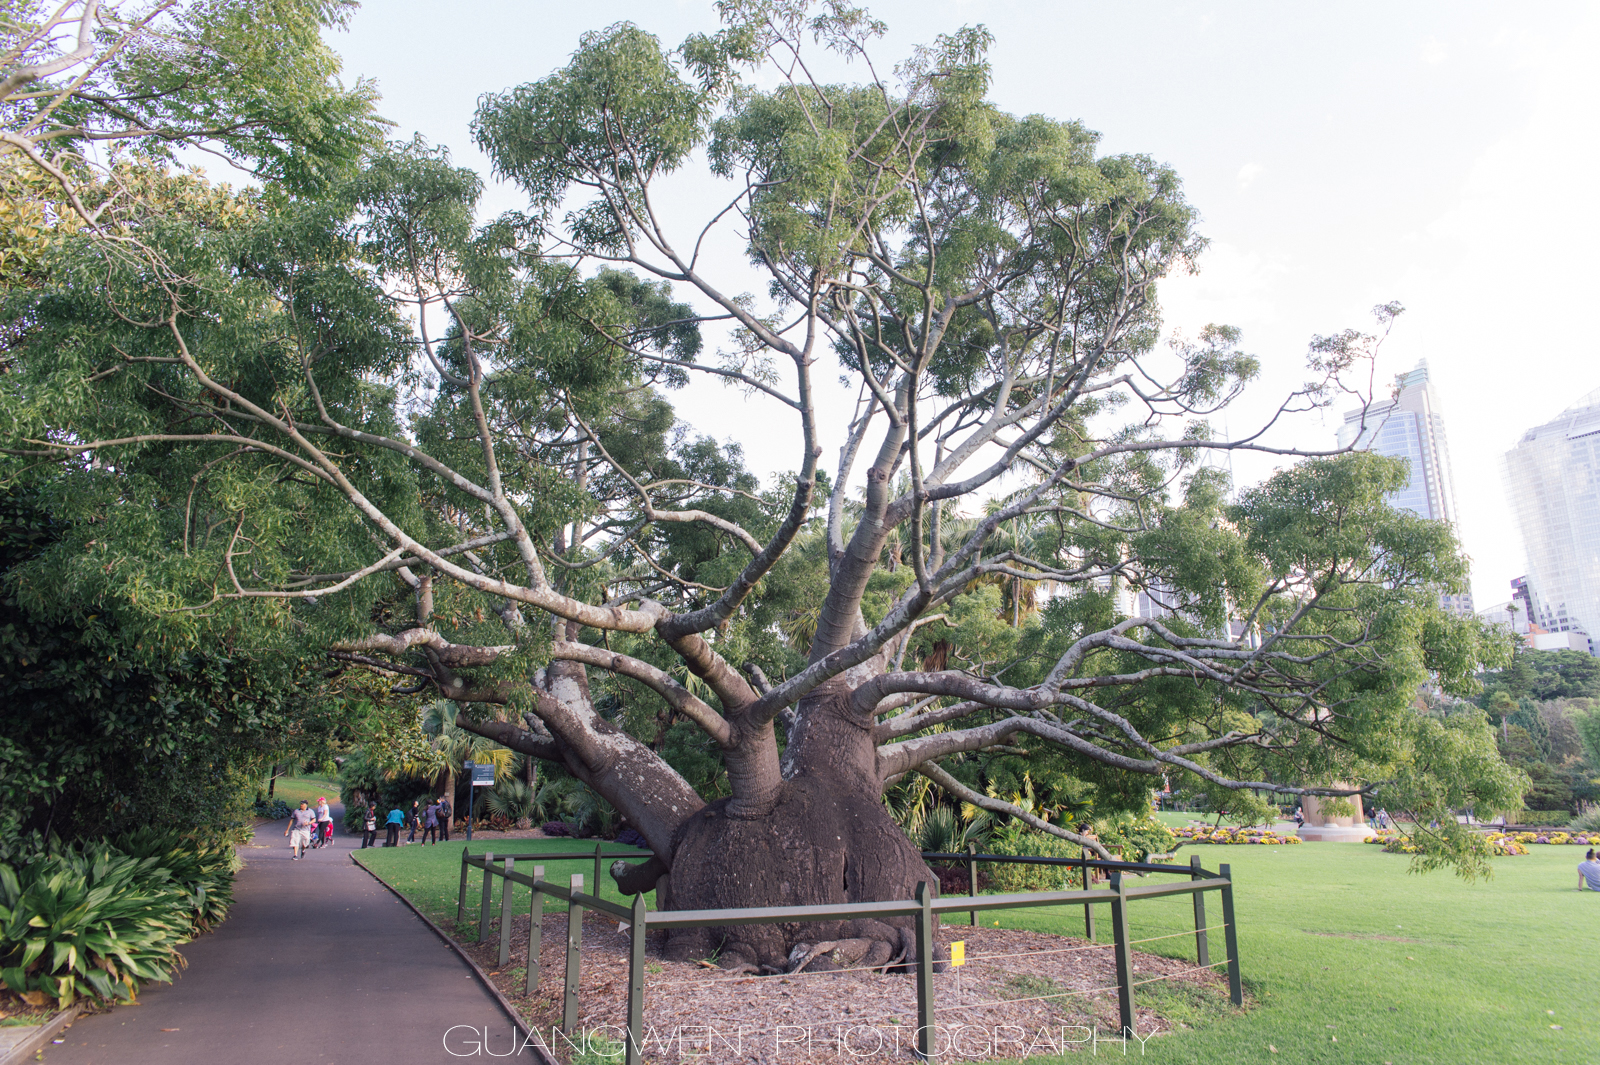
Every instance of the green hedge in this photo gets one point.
(98, 920)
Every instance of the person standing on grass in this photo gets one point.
(369, 826)
(414, 820)
(392, 837)
(430, 823)
(299, 828)
(444, 818)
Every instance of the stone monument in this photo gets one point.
(1323, 828)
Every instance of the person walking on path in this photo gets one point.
(298, 830)
(369, 826)
(392, 837)
(444, 818)
(324, 821)
(430, 823)
(414, 820)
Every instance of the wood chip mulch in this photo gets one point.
(1005, 1002)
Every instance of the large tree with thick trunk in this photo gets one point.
(364, 423)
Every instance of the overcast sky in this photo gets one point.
(1441, 154)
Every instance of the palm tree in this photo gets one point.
(450, 748)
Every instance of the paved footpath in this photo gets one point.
(317, 962)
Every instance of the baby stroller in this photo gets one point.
(322, 835)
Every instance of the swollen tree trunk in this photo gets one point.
(823, 838)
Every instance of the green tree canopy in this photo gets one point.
(442, 448)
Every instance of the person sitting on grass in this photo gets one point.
(1589, 872)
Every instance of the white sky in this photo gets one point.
(1442, 154)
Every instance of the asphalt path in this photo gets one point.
(317, 962)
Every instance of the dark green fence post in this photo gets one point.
(1088, 907)
(972, 878)
(595, 891)
(569, 1008)
(1230, 935)
(488, 893)
(635, 1050)
(1124, 952)
(507, 893)
(461, 899)
(1202, 947)
(927, 1036)
(535, 933)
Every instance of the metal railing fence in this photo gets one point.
(1119, 895)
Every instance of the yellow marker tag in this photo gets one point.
(958, 952)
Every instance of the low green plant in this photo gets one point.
(1018, 839)
(203, 871)
(273, 810)
(90, 923)
(942, 831)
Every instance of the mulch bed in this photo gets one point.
(1010, 988)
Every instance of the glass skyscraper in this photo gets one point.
(1553, 481)
(1410, 427)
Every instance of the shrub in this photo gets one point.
(275, 810)
(93, 924)
(1136, 837)
(1018, 839)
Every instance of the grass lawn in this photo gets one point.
(431, 876)
(293, 789)
(1405, 969)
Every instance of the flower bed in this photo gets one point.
(1259, 836)
(1499, 844)
(1582, 839)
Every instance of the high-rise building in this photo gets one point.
(1410, 427)
(1553, 480)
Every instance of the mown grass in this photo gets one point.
(293, 790)
(1347, 957)
(430, 876)
(1337, 942)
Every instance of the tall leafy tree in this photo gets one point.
(443, 450)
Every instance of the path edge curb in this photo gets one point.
(40, 1039)
(518, 1024)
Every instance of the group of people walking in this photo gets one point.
(433, 820)
(308, 827)
(312, 827)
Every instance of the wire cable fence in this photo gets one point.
(638, 921)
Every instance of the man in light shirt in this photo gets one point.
(299, 829)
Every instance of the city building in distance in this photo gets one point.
(1553, 482)
(1410, 427)
(1521, 616)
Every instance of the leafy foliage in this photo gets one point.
(98, 920)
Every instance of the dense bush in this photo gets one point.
(107, 727)
(1136, 838)
(273, 810)
(1018, 839)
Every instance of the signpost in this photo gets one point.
(482, 777)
